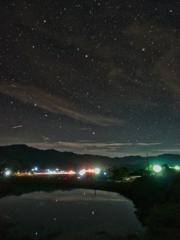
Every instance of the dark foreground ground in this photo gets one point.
(156, 199)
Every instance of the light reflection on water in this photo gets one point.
(74, 214)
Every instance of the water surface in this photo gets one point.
(73, 214)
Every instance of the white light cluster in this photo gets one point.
(7, 173)
(96, 171)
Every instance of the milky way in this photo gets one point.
(95, 77)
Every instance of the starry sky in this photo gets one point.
(91, 77)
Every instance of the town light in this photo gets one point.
(82, 172)
(7, 173)
(176, 167)
(90, 170)
(97, 170)
(157, 168)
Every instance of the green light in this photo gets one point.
(176, 167)
(157, 168)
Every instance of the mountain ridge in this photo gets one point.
(23, 157)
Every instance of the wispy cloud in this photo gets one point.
(79, 145)
(102, 149)
(168, 150)
(45, 138)
(147, 144)
(55, 104)
(170, 74)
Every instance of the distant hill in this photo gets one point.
(24, 157)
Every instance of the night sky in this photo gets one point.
(92, 76)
